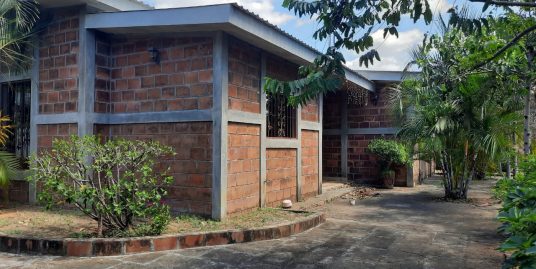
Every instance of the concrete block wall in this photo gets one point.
(203, 98)
(280, 176)
(348, 129)
(191, 167)
(58, 63)
(243, 167)
(309, 163)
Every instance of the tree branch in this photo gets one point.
(506, 3)
(506, 47)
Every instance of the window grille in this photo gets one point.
(15, 103)
(280, 118)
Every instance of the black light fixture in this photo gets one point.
(155, 55)
(374, 98)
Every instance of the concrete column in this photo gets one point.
(34, 111)
(320, 130)
(299, 155)
(86, 77)
(263, 133)
(344, 137)
(220, 109)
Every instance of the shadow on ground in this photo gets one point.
(402, 228)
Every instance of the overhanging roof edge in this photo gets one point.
(232, 14)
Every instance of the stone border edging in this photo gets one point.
(123, 246)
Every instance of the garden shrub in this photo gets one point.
(518, 216)
(389, 152)
(114, 182)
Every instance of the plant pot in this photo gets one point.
(388, 179)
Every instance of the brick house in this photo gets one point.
(191, 78)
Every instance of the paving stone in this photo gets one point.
(403, 228)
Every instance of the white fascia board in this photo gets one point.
(158, 18)
(387, 76)
(124, 5)
(228, 16)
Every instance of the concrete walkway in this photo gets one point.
(402, 228)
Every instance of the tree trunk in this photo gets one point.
(99, 227)
(508, 169)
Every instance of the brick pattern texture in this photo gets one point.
(46, 133)
(243, 167)
(309, 112)
(331, 155)
(244, 77)
(103, 74)
(58, 70)
(191, 167)
(309, 145)
(362, 166)
(18, 191)
(181, 81)
(371, 116)
(332, 110)
(280, 176)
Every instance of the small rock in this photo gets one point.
(352, 202)
(287, 204)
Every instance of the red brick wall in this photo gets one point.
(244, 77)
(371, 116)
(280, 68)
(182, 80)
(192, 166)
(309, 112)
(103, 74)
(243, 167)
(18, 191)
(280, 176)
(58, 70)
(332, 110)
(47, 133)
(331, 155)
(309, 181)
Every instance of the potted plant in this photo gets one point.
(390, 153)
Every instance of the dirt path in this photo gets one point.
(402, 228)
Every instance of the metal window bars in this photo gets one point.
(280, 118)
(15, 103)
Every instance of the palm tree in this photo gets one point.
(17, 27)
(9, 163)
(459, 117)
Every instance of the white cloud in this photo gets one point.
(439, 6)
(264, 8)
(394, 52)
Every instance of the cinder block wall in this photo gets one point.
(349, 128)
(88, 82)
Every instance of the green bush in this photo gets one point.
(518, 215)
(389, 152)
(114, 182)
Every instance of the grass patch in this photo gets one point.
(34, 221)
(257, 218)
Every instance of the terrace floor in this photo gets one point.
(401, 228)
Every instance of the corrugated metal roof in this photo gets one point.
(288, 34)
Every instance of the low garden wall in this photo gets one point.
(123, 246)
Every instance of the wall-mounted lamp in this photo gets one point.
(155, 55)
(374, 98)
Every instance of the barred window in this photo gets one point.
(280, 118)
(15, 103)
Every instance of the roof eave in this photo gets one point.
(228, 17)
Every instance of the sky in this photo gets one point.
(394, 52)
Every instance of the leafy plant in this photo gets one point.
(518, 215)
(9, 163)
(389, 152)
(17, 27)
(114, 182)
